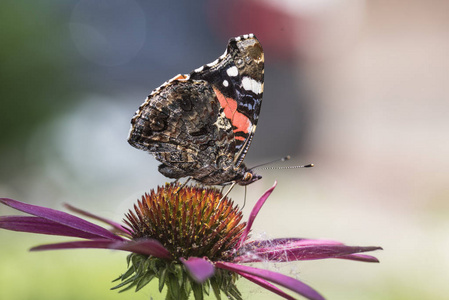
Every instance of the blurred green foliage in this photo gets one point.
(37, 72)
(55, 275)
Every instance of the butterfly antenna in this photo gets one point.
(270, 162)
(289, 167)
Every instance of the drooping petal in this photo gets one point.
(284, 250)
(145, 247)
(283, 241)
(360, 257)
(266, 285)
(199, 268)
(98, 244)
(61, 218)
(254, 213)
(41, 226)
(116, 225)
(281, 279)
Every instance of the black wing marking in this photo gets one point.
(237, 79)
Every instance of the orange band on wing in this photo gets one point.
(238, 120)
(180, 77)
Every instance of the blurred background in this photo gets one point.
(360, 88)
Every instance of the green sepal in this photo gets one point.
(130, 281)
(235, 293)
(173, 274)
(174, 289)
(162, 276)
(179, 273)
(215, 287)
(144, 280)
(128, 259)
(128, 273)
(197, 291)
(206, 287)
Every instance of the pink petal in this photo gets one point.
(360, 257)
(200, 269)
(285, 281)
(283, 241)
(41, 226)
(98, 244)
(284, 250)
(116, 225)
(145, 247)
(266, 285)
(61, 218)
(254, 213)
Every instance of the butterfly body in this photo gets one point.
(200, 125)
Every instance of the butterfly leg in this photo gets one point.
(229, 190)
(183, 185)
(244, 201)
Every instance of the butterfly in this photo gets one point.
(200, 125)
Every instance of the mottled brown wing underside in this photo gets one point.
(182, 126)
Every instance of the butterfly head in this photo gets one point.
(248, 177)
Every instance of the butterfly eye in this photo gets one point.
(248, 176)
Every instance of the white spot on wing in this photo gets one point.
(225, 83)
(232, 71)
(224, 54)
(213, 63)
(199, 69)
(252, 85)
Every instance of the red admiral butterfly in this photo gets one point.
(200, 125)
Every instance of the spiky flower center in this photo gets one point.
(188, 221)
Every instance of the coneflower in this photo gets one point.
(190, 238)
